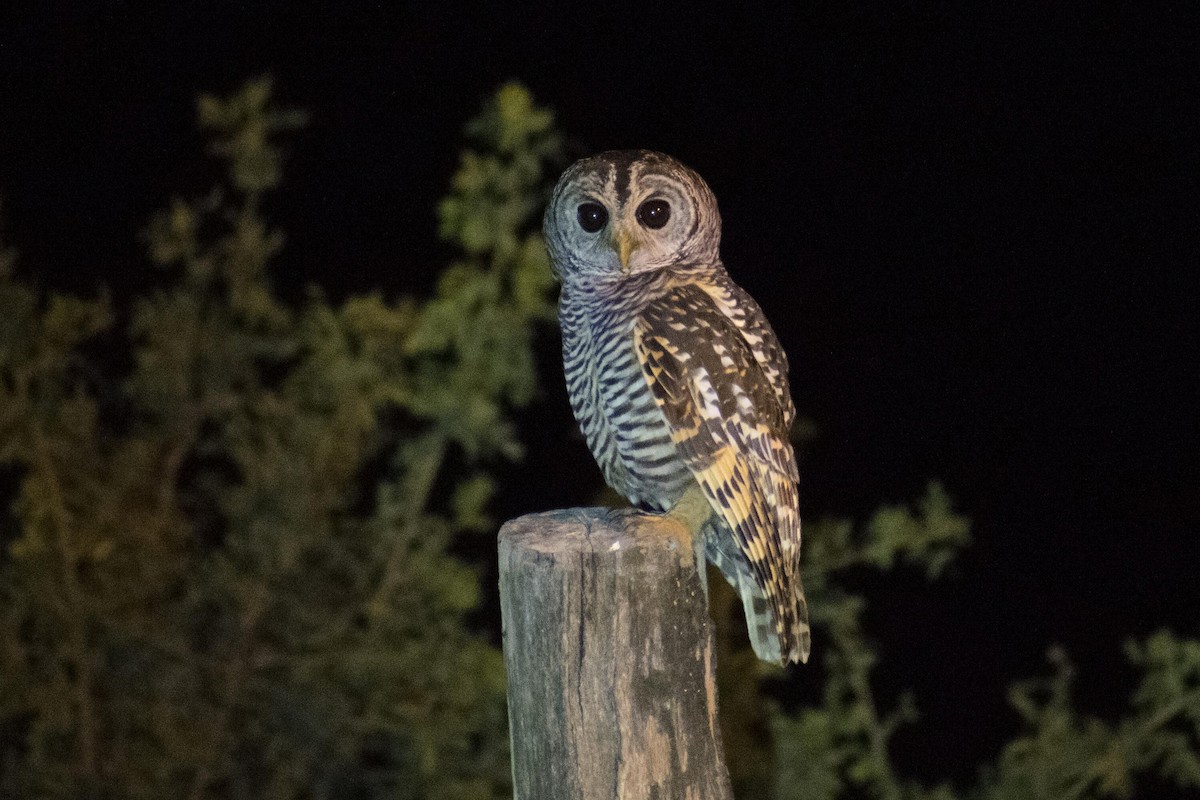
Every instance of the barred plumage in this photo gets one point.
(676, 378)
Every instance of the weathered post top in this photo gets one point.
(609, 650)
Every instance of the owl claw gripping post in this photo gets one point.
(677, 379)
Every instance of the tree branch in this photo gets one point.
(76, 619)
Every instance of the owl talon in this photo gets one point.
(693, 509)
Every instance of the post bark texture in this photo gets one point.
(611, 666)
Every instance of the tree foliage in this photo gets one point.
(839, 748)
(229, 575)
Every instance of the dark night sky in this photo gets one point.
(975, 232)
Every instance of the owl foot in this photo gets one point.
(693, 509)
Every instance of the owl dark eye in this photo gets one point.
(654, 213)
(592, 217)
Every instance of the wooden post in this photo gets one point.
(612, 690)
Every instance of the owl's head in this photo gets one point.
(629, 211)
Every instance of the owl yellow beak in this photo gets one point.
(625, 243)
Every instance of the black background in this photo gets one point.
(974, 230)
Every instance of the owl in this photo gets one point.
(677, 379)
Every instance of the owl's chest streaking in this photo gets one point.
(615, 408)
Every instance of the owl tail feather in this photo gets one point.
(773, 642)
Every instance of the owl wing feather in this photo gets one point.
(736, 303)
(730, 424)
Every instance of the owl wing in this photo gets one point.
(730, 428)
(737, 304)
